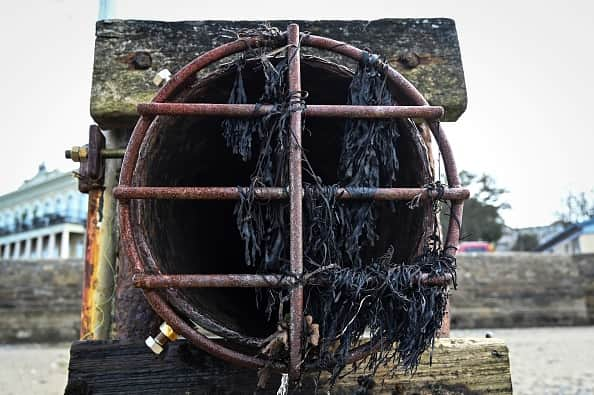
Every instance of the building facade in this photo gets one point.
(43, 219)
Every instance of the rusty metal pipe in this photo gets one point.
(321, 111)
(274, 193)
(91, 268)
(185, 76)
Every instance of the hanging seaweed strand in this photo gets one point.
(348, 294)
(262, 225)
(237, 132)
(368, 158)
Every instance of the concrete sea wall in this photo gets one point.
(522, 290)
(40, 301)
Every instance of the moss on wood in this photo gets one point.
(129, 53)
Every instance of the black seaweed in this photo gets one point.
(346, 294)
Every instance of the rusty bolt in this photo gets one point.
(409, 60)
(162, 76)
(166, 334)
(77, 154)
(141, 60)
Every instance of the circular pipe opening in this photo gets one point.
(201, 237)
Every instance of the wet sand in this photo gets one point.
(33, 368)
(545, 361)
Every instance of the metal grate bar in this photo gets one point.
(296, 205)
(246, 281)
(322, 111)
(274, 193)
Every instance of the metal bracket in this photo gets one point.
(91, 172)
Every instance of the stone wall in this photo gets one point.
(40, 301)
(523, 289)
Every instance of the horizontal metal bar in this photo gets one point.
(113, 153)
(242, 280)
(196, 193)
(233, 193)
(346, 111)
(212, 281)
(324, 111)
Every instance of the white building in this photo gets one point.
(44, 218)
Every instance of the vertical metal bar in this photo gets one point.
(104, 287)
(87, 322)
(296, 248)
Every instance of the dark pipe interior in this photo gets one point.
(201, 236)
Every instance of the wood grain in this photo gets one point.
(460, 366)
(129, 53)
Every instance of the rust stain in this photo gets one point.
(410, 60)
(91, 266)
(139, 60)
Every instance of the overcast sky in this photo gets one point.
(528, 67)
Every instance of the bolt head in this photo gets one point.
(162, 76)
(141, 60)
(168, 331)
(153, 345)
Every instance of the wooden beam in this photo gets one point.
(129, 53)
(460, 366)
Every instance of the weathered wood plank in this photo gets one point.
(129, 53)
(460, 366)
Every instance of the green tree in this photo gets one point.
(577, 207)
(482, 218)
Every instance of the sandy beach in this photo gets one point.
(547, 361)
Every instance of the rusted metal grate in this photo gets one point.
(150, 283)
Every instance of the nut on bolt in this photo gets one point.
(165, 335)
(77, 154)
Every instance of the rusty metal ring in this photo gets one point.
(183, 77)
